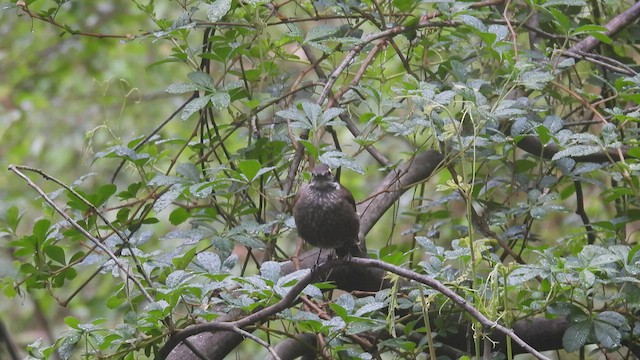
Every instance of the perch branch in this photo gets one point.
(441, 288)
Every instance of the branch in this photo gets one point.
(533, 146)
(5, 337)
(166, 352)
(265, 313)
(441, 288)
(399, 180)
(614, 26)
(347, 278)
(300, 345)
(23, 6)
(88, 235)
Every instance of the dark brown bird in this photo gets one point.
(325, 213)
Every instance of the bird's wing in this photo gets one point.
(346, 194)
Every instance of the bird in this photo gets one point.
(325, 213)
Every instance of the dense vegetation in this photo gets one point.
(154, 149)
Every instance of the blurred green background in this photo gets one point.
(64, 98)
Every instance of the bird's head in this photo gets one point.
(322, 178)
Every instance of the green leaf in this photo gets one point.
(176, 278)
(404, 5)
(329, 114)
(615, 193)
(522, 274)
(210, 262)
(312, 112)
(613, 318)
(220, 100)
(249, 241)
(12, 217)
(167, 198)
(249, 168)
(472, 21)
(115, 301)
(336, 159)
(322, 32)
(564, 3)
(194, 105)
(589, 29)
(40, 229)
(68, 345)
(164, 180)
(535, 80)
(270, 270)
(560, 20)
(189, 171)
(577, 150)
(310, 147)
(602, 37)
(370, 307)
(608, 336)
(587, 278)
(72, 322)
(634, 151)
(218, 9)
(292, 114)
(339, 310)
(181, 88)
(56, 253)
(263, 171)
(576, 335)
(293, 278)
(428, 245)
(103, 194)
(178, 216)
(202, 79)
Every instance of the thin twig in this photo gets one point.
(154, 132)
(97, 242)
(122, 236)
(514, 38)
(23, 6)
(258, 340)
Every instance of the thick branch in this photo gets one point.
(394, 185)
(614, 26)
(287, 300)
(533, 146)
(299, 345)
(347, 278)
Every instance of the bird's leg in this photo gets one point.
(315, 266)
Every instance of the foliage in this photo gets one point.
(532, 107)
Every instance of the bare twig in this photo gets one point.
(514, 38)
(23, 6)
(258, 340)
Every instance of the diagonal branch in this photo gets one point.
(265, 313)
(85, 233)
